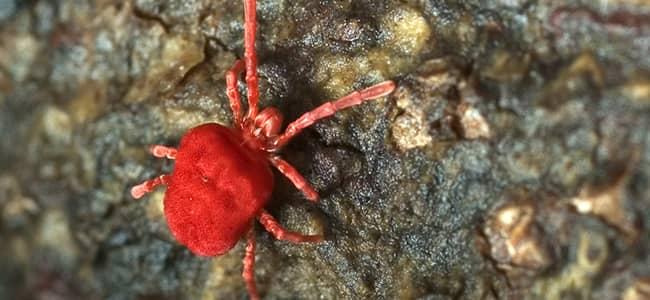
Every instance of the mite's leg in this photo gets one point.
(233, 92)
(250, 57)
(249, 265)
(141, 189)
(329, 108)
(294, 176)
(161, 151)
(272, 226)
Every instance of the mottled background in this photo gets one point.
(513, 160)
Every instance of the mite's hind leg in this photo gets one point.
(249, 265)
(295, 177)
(272, 226)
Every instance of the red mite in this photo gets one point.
(222, 177)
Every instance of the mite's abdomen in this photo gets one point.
(217, 187)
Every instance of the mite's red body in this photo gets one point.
(222, 178)
(218, 186)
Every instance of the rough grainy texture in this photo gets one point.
(513, 160)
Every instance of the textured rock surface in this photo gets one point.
(513, 161)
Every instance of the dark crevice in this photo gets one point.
(197, 66)
(222, 46)
(151, 17)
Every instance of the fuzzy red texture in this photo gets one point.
(217, 187)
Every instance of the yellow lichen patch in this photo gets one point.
(639, 290)
(608, 203)
(406, 34)
(515, 243)
(89, 103)
(155, 207)
(473, 123)
(407, 30)
(409, 132)
(409, 129)
(17, 54)
(54, 233)
(584, 64)
(56, 125)
(584, 74)
(15, 206)
(438, 74)
(466, 30)
(381, 64)
(592, 253)
(179, 120)
(179, 54)
(406, 288)
(638, 90)
(307, 223)
(19, 206)
(221, 278)
(577, 278)
(338, 74)
(506, 66)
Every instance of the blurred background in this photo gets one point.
(512, 161)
